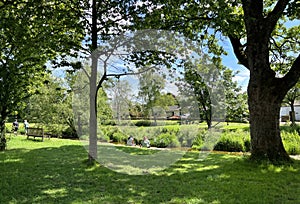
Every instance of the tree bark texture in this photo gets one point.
(265, 95)
(265, 90)
(92, 155)
(266, 141)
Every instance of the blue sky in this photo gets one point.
(231, 62)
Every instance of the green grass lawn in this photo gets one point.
(54, 171)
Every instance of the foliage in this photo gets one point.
(236, 101)
(291, 142)
(52, 106)
(290, 128)
(234, 137)
(165, 100)
(198, 142)
(104, 111)
(260, 40)
(165, 140)
(119, 137)
(31, 34)
(26, 45)
(143, 123)
(238, 141)
(120, 100)
(150, 85)
(196, 85)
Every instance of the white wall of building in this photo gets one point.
(285, 111)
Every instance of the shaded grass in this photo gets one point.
(54, 172)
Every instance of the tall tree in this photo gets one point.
(236, 100)
(151, 84)
(121, 100)
(31, 34)
(203, 82)
(256, 31)
(194, 85)
(51, 105)
(103, 20)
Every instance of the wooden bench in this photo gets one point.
(36, 132)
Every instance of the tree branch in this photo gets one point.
(238, 49)
(275, 14)
(291, 78)
(130, 73)
(278, 10)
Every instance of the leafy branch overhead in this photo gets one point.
(31, 34)
(262, 42)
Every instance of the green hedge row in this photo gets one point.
(193, 136)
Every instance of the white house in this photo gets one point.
(285, 112)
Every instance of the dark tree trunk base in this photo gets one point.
(276, 159)
(266, 142)
(90, 161)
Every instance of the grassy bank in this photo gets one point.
(54, 172)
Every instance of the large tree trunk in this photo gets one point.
(266, 142)
(264, 99)
(92, 155)
(265, 91)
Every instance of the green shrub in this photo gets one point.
(185, 138)
(291, 142)
(238, 141)
(199, 140)
(109, 131)
(210, 138)
(109, 122)
(103, 138)
(69, 133)
(54, 129)
(166, 140)
(172, 129)
(145, 123)
(290, 128)
(229, 144)
(119, 137)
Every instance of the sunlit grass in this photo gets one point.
(54, 171)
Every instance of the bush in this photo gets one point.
(229, 144)
(291, 142)
(109, 131)
(165, 140)
(69, 133)
(103, 138)
(290, 128)
(145, 123)
(172, 129)
(238, 141)
(186, 137)
(119, 137)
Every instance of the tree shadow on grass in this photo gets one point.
(49, 175)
